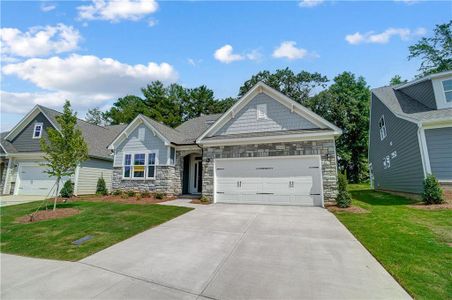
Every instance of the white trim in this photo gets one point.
(76, 175)
(4, 150)
(146, 164)
(382, 129)
(260, 87)
(437, 124)
(429, 77)
(270, 157)
(271, 139)
(41, 125)
(8, 173)
(424, 151)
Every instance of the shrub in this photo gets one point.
(343, 198)
(432, 194)
(117, 192)
(130, 193)
(138, 196)
(124, 195)
(101, 188)
(159, 195)
(145, 194)
(68, 189)
(204, 199)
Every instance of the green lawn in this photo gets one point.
(109, 223)
(414, 245)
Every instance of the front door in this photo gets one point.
(195, 181)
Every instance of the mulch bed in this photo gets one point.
(352, 209)
(43, 215)
(197, 201)
(432, 206)
(129, 200)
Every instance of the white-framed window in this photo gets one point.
(447, 88)
(382, 126)
(37, 131)
(127, 168)
(151, 165)
(139, 162)
(141, 132)
(172, 156)
(140, 165)
(386, 162)
(261, 111)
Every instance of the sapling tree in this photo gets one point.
(64, 149)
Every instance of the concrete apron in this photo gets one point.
(220, 252)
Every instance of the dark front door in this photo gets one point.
(186, 174)
(198, 174)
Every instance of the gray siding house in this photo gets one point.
(21, 159)
(411, 134)
(266, 149)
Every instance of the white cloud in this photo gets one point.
(194, 62)
(39, 41)
(385, 36)
(152, 22)
(46, 7)
(310, 3)
(225, 55)
(88, 81)
(116, 11)
(288, 49)
(254, 55)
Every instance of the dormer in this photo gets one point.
(434, 91)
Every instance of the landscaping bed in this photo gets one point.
(151, 199)
(412, 244)
(106, 222)
(49, 214)
(352, 209)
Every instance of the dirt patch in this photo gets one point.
(43, 215)
(197, 201)
(352, 209)
(432, 206)
(129, 200)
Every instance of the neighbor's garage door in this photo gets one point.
(276, 180)
(33, 180)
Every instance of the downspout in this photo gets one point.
(423, 150)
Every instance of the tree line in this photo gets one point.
(344, 102)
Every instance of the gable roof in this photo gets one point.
(408, 108)
(294, 106)
(193, 128)
(96, 137)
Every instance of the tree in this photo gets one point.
(343, 198)
(346, 104)
(435, 52)
(295, 86)
(94, 116)
(65, 148)
(397, 79)
(125, 109)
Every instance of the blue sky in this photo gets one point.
(92, 55)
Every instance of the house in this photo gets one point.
(21, 158)
(411, 134)
(266, 149)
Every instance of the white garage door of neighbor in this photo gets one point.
(294, 180)
(33, 181)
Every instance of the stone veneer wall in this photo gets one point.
(3, 177)
(164, 182)
(324, 148)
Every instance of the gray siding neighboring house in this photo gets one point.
(24, 141)
(418, 135)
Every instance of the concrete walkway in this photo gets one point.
(220, 252)
(8, 200)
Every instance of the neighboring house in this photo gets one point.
(411, 134)
(21, 158)
(265, 149)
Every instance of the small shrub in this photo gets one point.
(68, 189)
(145, 194)
(116, 192)
(124, 195)
(343, 198)
(159, 195)
(138, 196)
(101, 188)
(432, 194)
(204, 199)
(130, 193)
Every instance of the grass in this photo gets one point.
(414, 245)
(109, 223)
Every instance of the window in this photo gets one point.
(37, 131)
(151, 165)
(138, 165)
(447, 87)
(382, 126)
(172, 155)
(261, 111)
(141, 133)
(127, 165)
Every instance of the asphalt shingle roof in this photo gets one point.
(266, 133)
(404, 105)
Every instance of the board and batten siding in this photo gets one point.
(133, 144)
(24, 141)
(439, 147)
(279, 118)
(422, 92)
(406, 172)
(89, 172)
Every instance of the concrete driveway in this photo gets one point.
(220, 252)
(8, 200)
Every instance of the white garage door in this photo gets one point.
(294, 180)
(33, 181)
